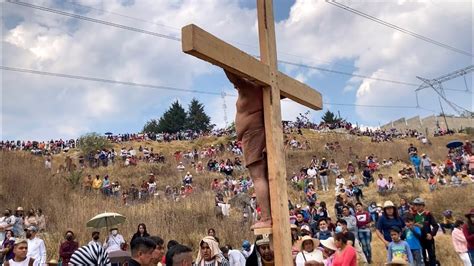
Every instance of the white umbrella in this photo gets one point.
(106, 219)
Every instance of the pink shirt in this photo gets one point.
(459, 241)
(348, 257)
(382, 182)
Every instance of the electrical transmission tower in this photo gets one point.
(437, 86)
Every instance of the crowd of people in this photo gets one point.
(407, 230)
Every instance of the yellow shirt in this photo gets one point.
(97, 183)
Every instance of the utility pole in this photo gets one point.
(224, 106)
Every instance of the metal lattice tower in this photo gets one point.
(436, 85)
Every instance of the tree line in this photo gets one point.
(176, 119)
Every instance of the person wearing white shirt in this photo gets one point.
(36, 247)
(340, 180)
(309, 252)
(114, 241)
(235, 257)
(95, 238)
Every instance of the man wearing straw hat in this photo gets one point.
(309, 254)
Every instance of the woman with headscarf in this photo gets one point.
(210, 254)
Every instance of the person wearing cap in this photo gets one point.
(36, 247)
(20, 249)
(67, 248)
(429, 227)
(309, 253)
(306, 230)
(246, 249)
(262, 253)
(386, 221)
(468, 231)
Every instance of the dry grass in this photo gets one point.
(23, 181)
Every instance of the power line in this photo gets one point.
(136, 84)
(160, 35)
(59, 12)
(395, 27)
(61, 75)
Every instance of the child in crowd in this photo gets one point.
(398, 248)
(373, 212)
(432, 183)
(412, 235)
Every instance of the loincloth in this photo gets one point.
(253, 142)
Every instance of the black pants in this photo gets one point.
(429, 252)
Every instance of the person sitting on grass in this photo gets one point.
(381, 184)
(432, 183)
(398, 248)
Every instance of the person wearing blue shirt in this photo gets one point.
(398, 248)
(412, 235)
(416, 161)
(388, 220)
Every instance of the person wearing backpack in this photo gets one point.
(412, 235)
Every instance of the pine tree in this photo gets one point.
(151, 127)
(197, 119)
(173, 120)
(329, 117)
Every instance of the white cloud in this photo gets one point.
(317, 32)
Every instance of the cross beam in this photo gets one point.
(201, 44)
(275, 84)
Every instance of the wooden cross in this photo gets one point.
(201, 44)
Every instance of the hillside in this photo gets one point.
(24, 182)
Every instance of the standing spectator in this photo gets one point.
(416, 162)
(350, 220)
(468, 230)
(41, 219)
(426, 166)
(309, 254)
(364, 233)
(210, 254)
(36, 247)
(18, 226)
(412, 235)
(398, 248)
(429, 227)
(68, 247)
(386, 221)
(235, 257)
(179, 255)
(262, 253)
(460, 243)
(141, 232)
(95, 238)
(412, 149)
(30, 219)
(6, 249)
(448, 221)
(323, 174)
(6, 223)
(346, 256)
(404, 208)
(141, 251)
(20, 250)
(97, 184)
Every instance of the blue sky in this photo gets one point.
(309, 32)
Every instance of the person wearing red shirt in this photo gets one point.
(364, 234)
(346, 254)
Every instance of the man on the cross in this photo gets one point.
(250, 128)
